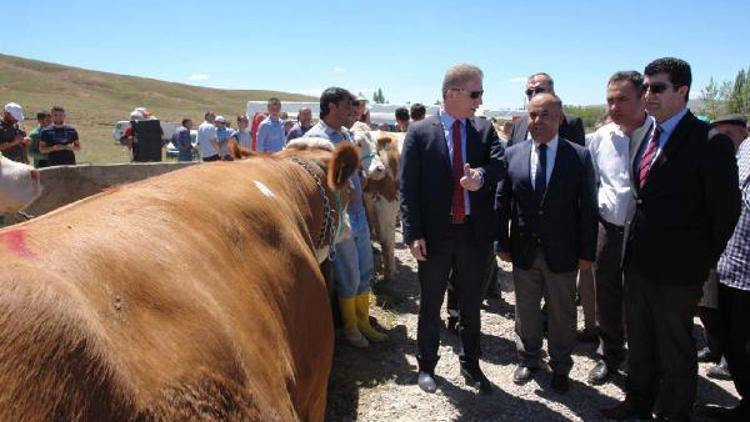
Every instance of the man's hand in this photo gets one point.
(505, 256)
(418, 249)
(472, 179)
(583, 264)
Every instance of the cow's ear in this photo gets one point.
(343, 165)
(384, 142)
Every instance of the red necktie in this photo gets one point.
(648, 157)
(458, 210)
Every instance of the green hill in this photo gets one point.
(95, 100)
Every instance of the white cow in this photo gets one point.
(381, 197)
(19, 185)
(371, 163)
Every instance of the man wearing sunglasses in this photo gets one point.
(687, 204)
(571, 127)
(450, 166)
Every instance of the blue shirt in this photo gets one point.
(271, 135)
(222, 137)
(322, 130)
(447, 121)
(181, 139)
(734, 265)
(667, 127)
(243, 138)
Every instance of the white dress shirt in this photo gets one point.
(551, 155)
(610, 153)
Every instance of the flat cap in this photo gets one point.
(734, 119)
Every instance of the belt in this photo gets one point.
(615, 227)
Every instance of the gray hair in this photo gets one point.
(457, 76)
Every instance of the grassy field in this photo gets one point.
(95, 100)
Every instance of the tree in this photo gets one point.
(713, 103)
(378, 97)
(739, 98)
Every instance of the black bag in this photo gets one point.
(147, 143)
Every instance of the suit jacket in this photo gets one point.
(564, 225)
(571, 129)
(427, 179)
(688, 207)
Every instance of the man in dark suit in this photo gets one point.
(687, 203)
(450, 165)
(571, 127)
(548, 195)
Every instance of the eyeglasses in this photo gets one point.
(655, 88)
(536, 90)
(472, 94)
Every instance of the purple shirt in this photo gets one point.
(297, 131)
(181, 139)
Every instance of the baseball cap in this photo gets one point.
(220, 119)
(15, 110)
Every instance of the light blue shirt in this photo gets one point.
(271, 135)
(447, 121)
(222, 137)
(551, 155)
(322, 130)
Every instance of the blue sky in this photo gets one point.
(400, 46)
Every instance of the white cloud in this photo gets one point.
(338, 69)
(199, 77)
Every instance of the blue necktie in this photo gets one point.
(540, 178)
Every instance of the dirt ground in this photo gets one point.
(379, 383)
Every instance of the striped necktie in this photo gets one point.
(648, 156)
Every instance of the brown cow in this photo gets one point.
(381, 198)
(192, 295)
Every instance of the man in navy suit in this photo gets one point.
(548, 195)
(450, 166)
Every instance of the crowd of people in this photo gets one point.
(653, 210)
(647, 221)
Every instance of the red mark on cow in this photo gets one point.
(15, 241)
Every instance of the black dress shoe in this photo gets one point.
(560, 383)
(625, 410)
(719, 371)
(474, 376)
(600, 373)
(426, 382)
(523, 374)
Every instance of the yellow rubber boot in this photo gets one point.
(363, 320)
(348, 307)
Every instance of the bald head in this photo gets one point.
(545, 115)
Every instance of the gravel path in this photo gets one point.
(379, 383)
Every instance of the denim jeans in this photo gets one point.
(354, 261)
(185, 156)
